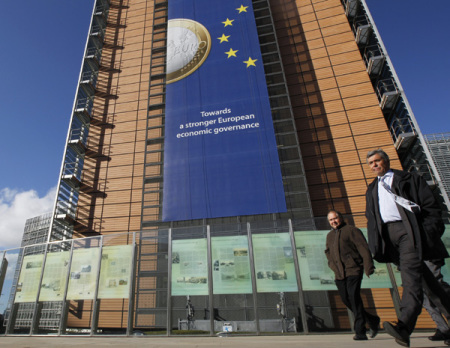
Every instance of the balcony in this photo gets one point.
(362, 29)
(375, 58)
(77, 140)
(102, 6)
(97, 34)
(88, 82)
(351, 8)
(65, 212)
(92, 57)
(100, 16)
(83, 109)
(72, 174)
(387, 94)
(403, 133)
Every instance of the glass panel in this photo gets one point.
(267, 38)
(286, 139)
(114, 284)
(190, 301)
(274, 79)
(295, 184)
(55, 276)
(231, 265)
(270, 47)
(189, 267)
(288, 154)
(53, 288)
(272, 66)
(83, 273)
(278, 312)
(82, 286)
(10, 272)
(30, 274)
(152, 283)
(274, 263)
(25, 289)
(281, 114)
(279, 102)
(233, 306)
(297, 201)
(323, 303)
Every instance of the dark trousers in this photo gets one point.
(436, 289)
(400, 248)
(350, 291)
(437, 309)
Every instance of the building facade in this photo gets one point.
(333, 96)
(439, 146)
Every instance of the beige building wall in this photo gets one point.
(113, 179)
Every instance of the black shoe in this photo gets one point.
(439, 336)
(374, 327)
(447, 342)
(401, 335)
(360, 338)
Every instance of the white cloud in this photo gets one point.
(15, 208)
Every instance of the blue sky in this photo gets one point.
(42, 48)
(416, 35)
(41, 55)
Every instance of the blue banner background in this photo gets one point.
(226, 172)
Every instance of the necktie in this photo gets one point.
(405, 203)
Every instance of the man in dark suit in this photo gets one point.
(404, 226)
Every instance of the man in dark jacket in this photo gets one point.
(348, 257)
(404, 227)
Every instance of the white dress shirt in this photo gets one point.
(388, 207)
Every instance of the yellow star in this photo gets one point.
(231, 53)
(250, 61)
(228, 22)
(242, 9)
(223, 38)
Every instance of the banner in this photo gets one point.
(274, 263)
(30, 275)
(83, 274)
(55, 276)
(220, 153)
(115, 272)
(231, 265)
(189, 267)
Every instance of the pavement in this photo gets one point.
(419, 339)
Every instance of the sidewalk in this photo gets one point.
(307, 341)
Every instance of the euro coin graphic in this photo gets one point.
(188, 46)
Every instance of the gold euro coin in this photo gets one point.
(188, 46)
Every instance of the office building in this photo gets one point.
(183, 131)
(35, 233)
